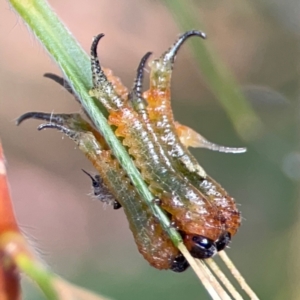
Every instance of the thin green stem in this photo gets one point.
(39, 274)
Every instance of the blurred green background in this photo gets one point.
(90, 244)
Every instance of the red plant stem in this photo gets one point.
(9, 276)
(7, 217)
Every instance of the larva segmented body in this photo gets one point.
(152, 241)
(191, 211)
(160, 113)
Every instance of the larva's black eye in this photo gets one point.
(203, 247)
(223, 241)
(179, 264)
(200, 246)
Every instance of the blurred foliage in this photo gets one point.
(217, 75)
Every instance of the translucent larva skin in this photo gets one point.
(160, 113)
(225, 203)
(152, 241)
(191, 138)
(190, 210)
(120, 89)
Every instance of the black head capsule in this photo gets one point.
(199, 246)
(179, 264)
(223, 241)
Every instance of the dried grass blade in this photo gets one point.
(208, 280)
(222, 277)
(238, 276)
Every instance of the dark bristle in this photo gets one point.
(60, 80)
(33, 115)
(137, 88)
(171, 53)
(95, 44)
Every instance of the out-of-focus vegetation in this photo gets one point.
(258, 41)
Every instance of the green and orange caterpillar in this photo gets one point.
(189, 209)
(205, 215)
